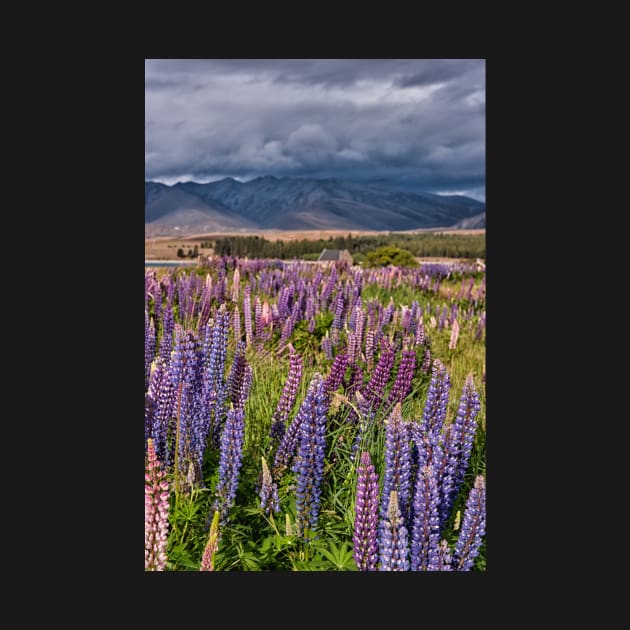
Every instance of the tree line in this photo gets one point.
(425, 244)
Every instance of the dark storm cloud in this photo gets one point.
(441, 70)
(421, 121)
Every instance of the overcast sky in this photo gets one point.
(417, 121)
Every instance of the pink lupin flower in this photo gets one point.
(236, 281)
(266, 314)
(156, 496)
(454, 335)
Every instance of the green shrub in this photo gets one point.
(390, 255)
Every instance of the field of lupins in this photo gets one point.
(301, 417)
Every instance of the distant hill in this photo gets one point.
(299, 204)
(472, 223)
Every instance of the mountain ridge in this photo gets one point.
(269, 202)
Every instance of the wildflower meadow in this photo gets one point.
(302, 416)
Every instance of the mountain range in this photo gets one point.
(301, 204)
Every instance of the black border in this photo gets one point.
(110, 176)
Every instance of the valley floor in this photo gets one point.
(165, 247)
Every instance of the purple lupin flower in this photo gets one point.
(442, 318)
(425, 533)
(230, 461)
(441, 562)
(365, 550)
(404, 376)
(458, 444)
(149, 347)
(169, 286)
(220, 287)
(289, 394)
(156, 507)
(420, 336)
(309, 462)
(258, 321)
(468, 293)
(389, 312)
(287, 329)
(397, 473)
(355, 381)
(337, 373)
(157, 301)
(247, 315)
(373, 390)
(244, 389)
(437, 399)
(454, 312)
(214, 389)
(369, 349)
(183, 373)
(168, 327)
(162, 397)
(309, 309)
(467, 418)
(237, 373)
(352, 346)
(338, 308)
(473, 527)
(394, 540)
(328, 287)
(289, 442)
(205, 308)
(326, 345)
(269, 500)
(237, 323)
(405, 318)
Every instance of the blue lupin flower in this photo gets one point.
(473, 527)
(309, 462)
(337, 372)
(370, 337)
(365, 549)
(467, 419)
(397, 473)
(220, 388)
(230, 461)
(166, 339)
(289, 394)
(394, 541)
(244, 389)
(162, 395)
(183, 374)
(269, 500)
(149, 347)
(458, 441)
(258, 323)
(338, 308)
(404, 377)
(425, 533)
(374, 388)
(437, 399)
(442, 561)
(247, 315)
(231, 390)
(289, 443)
(326, 345)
